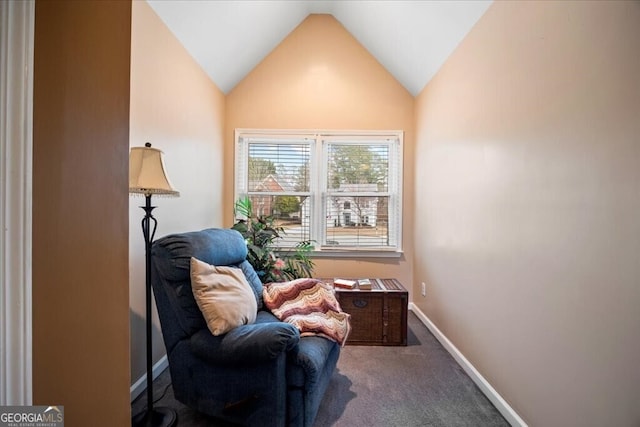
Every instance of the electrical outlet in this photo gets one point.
(424, 289)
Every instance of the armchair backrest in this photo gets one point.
(171, 279)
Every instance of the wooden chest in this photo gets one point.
(378, 315)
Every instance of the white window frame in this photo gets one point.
(319, 139)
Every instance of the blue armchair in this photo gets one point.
(262, 374)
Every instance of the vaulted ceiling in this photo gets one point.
(411, 39)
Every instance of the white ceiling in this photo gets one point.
(410, 38)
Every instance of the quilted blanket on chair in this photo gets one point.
(311, 306)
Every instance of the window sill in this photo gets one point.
(355, 253)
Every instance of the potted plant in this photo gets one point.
(261, 233)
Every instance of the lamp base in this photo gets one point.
(160, 417)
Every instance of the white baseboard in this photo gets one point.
(141, 385)
(501, 405)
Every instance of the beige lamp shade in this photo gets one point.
(147, 172)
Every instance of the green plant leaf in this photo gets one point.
(243, 208)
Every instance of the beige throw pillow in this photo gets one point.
(224, 296)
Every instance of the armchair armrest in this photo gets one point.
(253, 343)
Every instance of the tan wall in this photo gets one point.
(529, 204)
(176, 107)
(320, 77)
(80, 224)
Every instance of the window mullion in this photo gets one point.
(318, 184)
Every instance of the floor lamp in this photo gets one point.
(147, 176)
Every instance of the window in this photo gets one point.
(340, 189)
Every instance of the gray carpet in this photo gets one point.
(418, 385)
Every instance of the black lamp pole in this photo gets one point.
(147, 176)
(158, 416)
